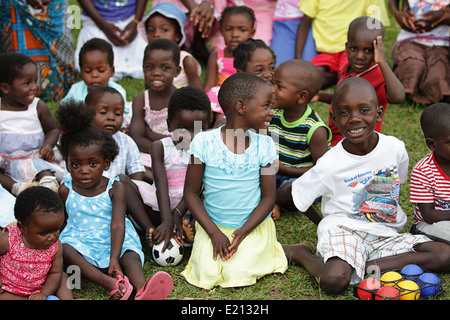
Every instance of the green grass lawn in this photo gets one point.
(401, 121)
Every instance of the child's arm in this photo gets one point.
(262, 210)
(192, 199)
(53, 281)
(165, 230)
(119, 200)
(395, 91)
(137, 125)
(302, 34)
(318, 146)
(431, 215)
(48, 124)
(211, 72)
(190, 68)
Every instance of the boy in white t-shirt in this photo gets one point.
(359, 181)
(430, 177)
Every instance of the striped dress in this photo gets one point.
(292, 139)
(429, 184)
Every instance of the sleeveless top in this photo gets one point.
(155, 119)
(24, 270)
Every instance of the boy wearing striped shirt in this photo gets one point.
(300, 135)
(430, 177)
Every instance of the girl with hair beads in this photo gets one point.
(98, 237)
(28, 132)
(255, 57)
(189, 112)
(237, 24)
(31, 256)
(148, 123)
(235, 240)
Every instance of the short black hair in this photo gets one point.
(189, 98)
(354, 81)
(102, 89)
(243, 10)
(244, 51)
(366, 23)
(435, 120)
(96, 44)
(11, 64)
(164, 44)
(75, 121)
(36, 199)
(239, 86)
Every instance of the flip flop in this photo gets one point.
(129, 288)
(157, 287)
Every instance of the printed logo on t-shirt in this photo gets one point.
(375, 195)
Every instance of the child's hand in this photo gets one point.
(46, 153)
(220, 246)
(114, 269)
(406, 20)
(164, 232)
(378, 48)
(237, 238)
(114, 34)
(37, 296)
(203, 17)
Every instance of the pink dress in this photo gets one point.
(24, 270)
(225, 69)
(175, 163)
(157, 121)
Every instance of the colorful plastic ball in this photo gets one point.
(411, 271)
(387, 293)
(51, 297)
(409, 290)
(390, 278)
(429, 284)
(367, 287)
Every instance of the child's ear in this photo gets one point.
(177, 71)
(113, 71)
(4, 88)
(107, 164)
(380, 113)
(431, 144)
(240, 107)
(302, 96)
(346, 47)
(333, 117)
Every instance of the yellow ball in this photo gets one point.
(409, 290)
(390, 278)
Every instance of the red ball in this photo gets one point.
(367, 287)
(387, 293)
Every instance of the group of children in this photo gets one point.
(214, 176)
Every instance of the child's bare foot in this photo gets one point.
(149, 236)
(188, 231)
(276, 212)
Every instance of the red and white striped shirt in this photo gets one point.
(429, 184)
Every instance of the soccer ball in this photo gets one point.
(171, 256)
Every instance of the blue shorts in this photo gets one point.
(283, 41)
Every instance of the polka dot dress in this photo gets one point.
(88, 228)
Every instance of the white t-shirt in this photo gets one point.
(359, 192)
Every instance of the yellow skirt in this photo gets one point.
(257, 255)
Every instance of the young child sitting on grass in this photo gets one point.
(359, 182)
(300, 135)
(430, 182)
(366, 59)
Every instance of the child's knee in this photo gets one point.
(336, 277)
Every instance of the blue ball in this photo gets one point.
(52, 298)
(429, 284)
(411, 271)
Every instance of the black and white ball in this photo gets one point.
(171, 256)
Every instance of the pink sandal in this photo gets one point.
(157, 287)
(129, 288)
